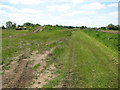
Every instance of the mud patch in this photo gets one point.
(18, 75)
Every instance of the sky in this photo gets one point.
(90, 13)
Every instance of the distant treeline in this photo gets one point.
(10, 24)
(109, 27)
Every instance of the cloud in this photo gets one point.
(4, 8)
(2, 12)
(28, 2)
(76, 1)
(95, 5)
(79, 12)
(114, 14)
(60, 8)
(19, 16)
(30, 11)
(113, 5)
(64, 14)
(7, 7)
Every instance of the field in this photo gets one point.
(60, 58)
(109, 39)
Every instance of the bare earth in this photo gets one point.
(108, 31)
(21, 74)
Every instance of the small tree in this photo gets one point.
(38, 24)
(115, 27)
(18, 25)
(27, 24)
(112, 27)
(103, 28)
(83, 27)
(14, 25)
(3, 27)
(8, 24)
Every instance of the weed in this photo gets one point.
(36, 66)
(39, 82)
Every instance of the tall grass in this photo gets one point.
(109, 39)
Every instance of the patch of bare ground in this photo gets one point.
(108, 31)
(44, 76)
(44, 72)
(21, 74)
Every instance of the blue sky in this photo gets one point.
(91, 13)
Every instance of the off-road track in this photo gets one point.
(22, 75)
(39, 29)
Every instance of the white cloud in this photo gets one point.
(3, 8)
(30, 11)
(77, 1)
(29, 2)
(68, 15)
(2, 12)
(114, 14)
(113, 5)
(60, 8)
(79, 12)
(7, 7)
(95, 5)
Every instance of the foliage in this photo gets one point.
(83, 27)
(36, 66)
(50, 27)
(103, 28)
(27, 24)
(3, 27)
(112, 27)
(8, 24)
(14, 25)
(109, 39)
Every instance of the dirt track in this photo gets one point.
(21, 74)
(39, 29)
(114, 32)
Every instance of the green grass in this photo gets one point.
(109, 39)
(32, 27)
(83, 58)
(14, 32)
(9, 32)
(36, 66)
(84, 62)
(37, 41)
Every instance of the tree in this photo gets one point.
(14, 25)
(8, 24)
(27, 24)
(38, 24)
(115, 27)
(112, 27)
(103, 28)
(3, 27)
(83, 27)
(19, 26)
